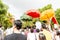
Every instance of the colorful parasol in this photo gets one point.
(54, 20)
(33, 13)
(47, 14)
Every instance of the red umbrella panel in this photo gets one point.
(54, 20)
(33, 13)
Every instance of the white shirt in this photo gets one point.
(38, 25)
(9, 31)
(57, 38)
(37, 36)
(31, 36)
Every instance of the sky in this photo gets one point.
(18, 7)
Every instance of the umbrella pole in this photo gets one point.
(49, 26)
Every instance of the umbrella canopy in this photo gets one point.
(47, 14)
(33, 13)
(54, 20)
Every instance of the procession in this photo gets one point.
(33, 24)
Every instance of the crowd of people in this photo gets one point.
(29, 33)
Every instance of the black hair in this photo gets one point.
(28, 27)
(44, 21)
(58, 32)
(37, 30)
(34, 22)
(44, 26)
(24, 28)
(18, 24)
(34, 26)
(32, 30)
(42, 36)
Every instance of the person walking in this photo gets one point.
(31, 35)
(45, 32)
(16, 35)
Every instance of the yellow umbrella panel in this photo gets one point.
(47, 14)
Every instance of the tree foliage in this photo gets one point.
(26, 20)
(49, 6)
(57, 14)
(3, 8)
(4, 18)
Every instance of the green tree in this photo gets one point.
(57, 14)
(3, 8)
(4, 19)
(49, 6)
(26, 20)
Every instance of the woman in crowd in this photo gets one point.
(31, 35)
(37, 34)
